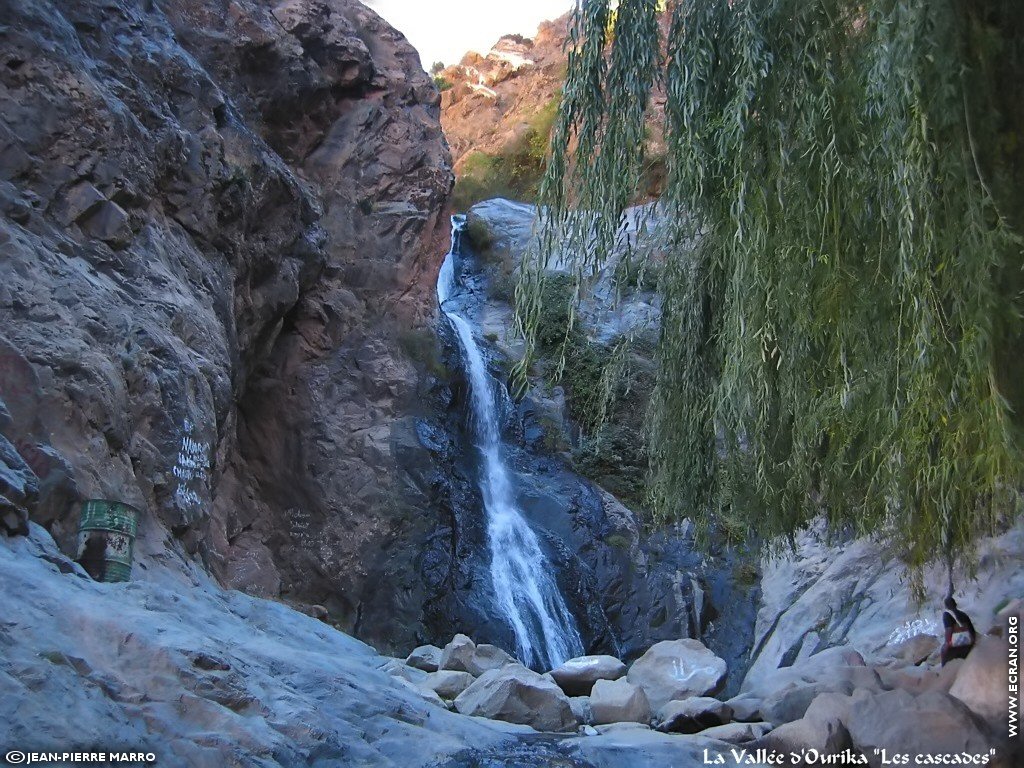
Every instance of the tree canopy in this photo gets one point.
(841, 286)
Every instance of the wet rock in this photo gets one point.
(625, 727)
(447, 684)
(619, 701)
(516, 694)
(577, 676)
(677, 669)
(693, 715)
(426, 657)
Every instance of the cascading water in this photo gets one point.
(527, 594)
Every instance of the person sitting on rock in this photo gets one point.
(960, 634)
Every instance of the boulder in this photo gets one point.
(677, 669)
(621, 728)
(426, 657)
(837, 663)
(619, 701)
(424, 693)
(981, 683)
(829, 708)
(918, 679)
(398, 668)
(932, 723)
(805, 735)
(914, 650)
(581, 709)
(693, 715)
(737, 733)
(577, 676)
(516, 694)
(458, 654)
(791, 702)
(463, 655)
(447, 683)
(488, 657)
(745, 708)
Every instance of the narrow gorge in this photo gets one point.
(258, 281)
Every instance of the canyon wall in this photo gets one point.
(220, 224)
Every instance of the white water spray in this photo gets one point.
(527, 594)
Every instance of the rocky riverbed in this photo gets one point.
(175, 665)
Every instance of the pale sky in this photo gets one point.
(443, 30)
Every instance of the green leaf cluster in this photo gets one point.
(841, 283)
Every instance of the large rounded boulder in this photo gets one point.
(677, 669)
(577, 676)
(516, 694)
(619, 701)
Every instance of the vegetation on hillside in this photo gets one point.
(516, 172)
(842, 293)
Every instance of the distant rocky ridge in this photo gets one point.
(500, 104)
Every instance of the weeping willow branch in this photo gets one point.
(839, 286)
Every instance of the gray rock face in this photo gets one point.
(693, 715)
(851, 595)
(619, 701)
(516, 694)
(982, 679)
(167, 663)
(677, 669)
(577, 676)
(933, 723)
(214, 232)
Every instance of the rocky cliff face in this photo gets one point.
(494, 95)
(498, 107)
(219, 226)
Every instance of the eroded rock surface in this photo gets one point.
(218, 238)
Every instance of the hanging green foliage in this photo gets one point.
(841, 291)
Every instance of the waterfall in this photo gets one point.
(525, 587)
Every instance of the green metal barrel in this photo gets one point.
(115, 524)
